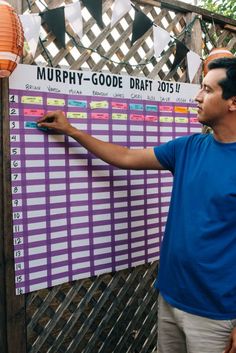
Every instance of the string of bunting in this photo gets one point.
(56, 20)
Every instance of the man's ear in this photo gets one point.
(232, 106)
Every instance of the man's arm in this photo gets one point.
(231, 347)
(119, 156)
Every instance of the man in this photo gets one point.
(197, 273)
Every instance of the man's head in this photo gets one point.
(217, 97)
(228, 84)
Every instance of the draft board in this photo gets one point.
(74, 216)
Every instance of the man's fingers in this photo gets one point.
(49, 117)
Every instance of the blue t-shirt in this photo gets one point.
(197, 270)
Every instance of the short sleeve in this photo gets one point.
(166, 155)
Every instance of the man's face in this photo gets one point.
(212, 108)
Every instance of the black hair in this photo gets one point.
(227, 84)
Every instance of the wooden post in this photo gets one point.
(3, 341)
(12, 307)
(193, 41)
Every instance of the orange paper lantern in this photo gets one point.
(215, 54)
(11, 39)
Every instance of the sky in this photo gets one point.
(192, 2)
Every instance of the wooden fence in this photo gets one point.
(116, 312)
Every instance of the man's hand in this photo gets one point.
(231, 347)
(56, 120)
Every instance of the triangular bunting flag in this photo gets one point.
(74, 16)
(121, 7)
(95, 8)
(31, 25)
(55, 19)
(181, 51)
(141, 25)
(161, 38)
(194, 61)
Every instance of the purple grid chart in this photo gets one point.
(74, 216)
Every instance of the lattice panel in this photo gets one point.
(113, 43)
(216, 36)
(110, 313)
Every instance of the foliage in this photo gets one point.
(222, 7)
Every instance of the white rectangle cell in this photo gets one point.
(77, 150)
(120, 183)
(103, 261)
(59, 246)
(36, 275)
(79, 242)
(97, 161)
(34, 138)
(122, 193)
(57, 175)
(137, 223)
(78, 220)
(121, 247)
(35, 188)
(101, 195)
(57, 187)
(58, 270)
(80, 265)
(38, 262)
(120, 226)
(38, 213)
(79, 174)
(137, 253)
(37, 250)
(152, 128)
(78, 186)
(137, 213)
(101, 217)
(117, 127)
(80, 231)
(138, 234)
(56, 150)
(58, 234)
(34, 163)
(78, 162)
(36, 201)
(80, 254)
(134, 138)
(137, 244)
(34, 151)
(120, 215)
(137, 192)
(103, 127)
(104, 228)
(100, 173)
(78, 208)
(120, 204)
(122, 257)
(102, 251)
(57, 199)
(59, 258)
(119, 138)
(101, 184)
(153, 139)
(58, 222)
(105, 206)
(35, 176)
(120, 172)
(80, 197)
